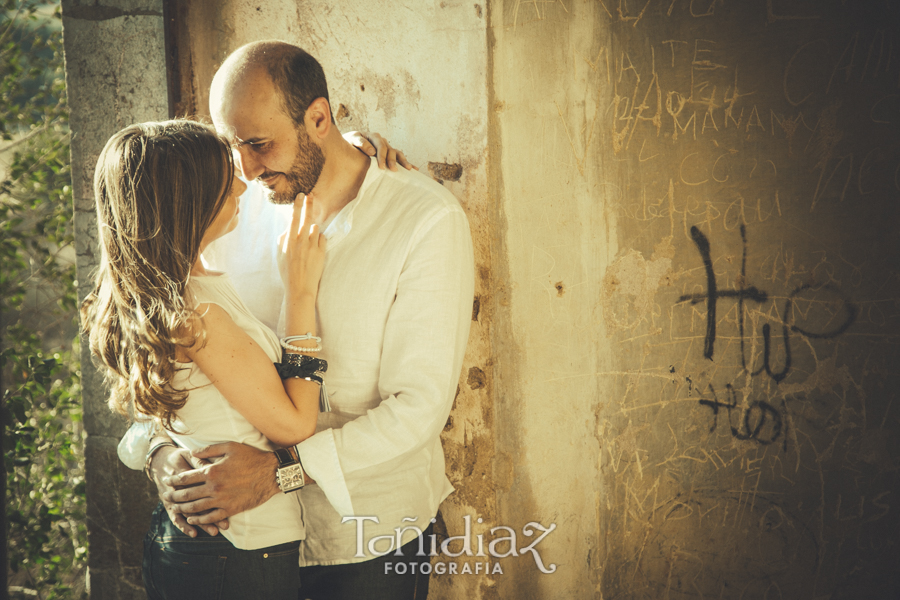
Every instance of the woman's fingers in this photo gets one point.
(382, 148)
(305, 213)
(296, 218)
(358, 139)
(301, 218)
(404, 162)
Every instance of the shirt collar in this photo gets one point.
(342, 222)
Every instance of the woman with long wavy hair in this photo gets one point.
(178, 346)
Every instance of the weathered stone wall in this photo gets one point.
(699, 202)
(115, 76)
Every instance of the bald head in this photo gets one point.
(297, 77)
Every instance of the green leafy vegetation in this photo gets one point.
(43, 437)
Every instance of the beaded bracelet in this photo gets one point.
(287, 345)
(301, 349)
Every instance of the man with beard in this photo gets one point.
(394, 307)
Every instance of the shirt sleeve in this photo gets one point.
(133, 446)
(424, 342)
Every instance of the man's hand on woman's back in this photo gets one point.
(167, 462)
(239, 478)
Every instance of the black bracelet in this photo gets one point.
(312, 370)
(290, 358)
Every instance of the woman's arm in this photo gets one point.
(286, 413)
(245, 375)
(304, 250)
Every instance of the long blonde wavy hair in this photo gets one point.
(158, 187)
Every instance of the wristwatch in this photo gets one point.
(289, 475)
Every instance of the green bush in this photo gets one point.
(43, 438)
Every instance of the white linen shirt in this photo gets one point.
(394, 309)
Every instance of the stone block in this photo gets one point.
(98, 418)
(110, 86)
(101, 478)
(111, 584)
(119, 503)
(91, 10)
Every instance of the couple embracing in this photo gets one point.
(272, 451)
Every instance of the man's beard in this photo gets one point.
(304, 174)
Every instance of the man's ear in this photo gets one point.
(318, 116)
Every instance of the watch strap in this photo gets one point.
(284, 458)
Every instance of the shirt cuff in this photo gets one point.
(320, 460)
(134, 444)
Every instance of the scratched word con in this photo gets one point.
(756, 415)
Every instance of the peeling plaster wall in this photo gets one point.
(697, 246)
(109, 86)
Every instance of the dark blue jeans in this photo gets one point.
(179, 567)
(387, 577)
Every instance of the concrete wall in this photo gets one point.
(110, 85)
(684, 346)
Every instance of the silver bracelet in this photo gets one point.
(151, 451)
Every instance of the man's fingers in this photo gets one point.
(223, 524)
(194, 507)
(181, 523)
(211, 517)
(213, 450)
(210, 529)
(186, 479)
(188, 494)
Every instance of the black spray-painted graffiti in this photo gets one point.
(713, 294)
(759, 413)
(761, 421)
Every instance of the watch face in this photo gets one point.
(290, 478)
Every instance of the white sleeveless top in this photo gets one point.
(208, 418)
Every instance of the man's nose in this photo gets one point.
(250, 167)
